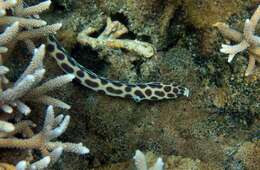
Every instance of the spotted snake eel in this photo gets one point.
(137, 92)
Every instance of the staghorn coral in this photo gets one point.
(27, 87)
(25, 27)
(53, 127)
(22, 27)
(20, 22)
(25, 24)
(246, 40)
(141, 164)
(109, 38)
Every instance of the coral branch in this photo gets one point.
(141, 164)
(53, 127)
(108, 38)
(20, 22)
(27, 87)
(6, 126)
(247, 40)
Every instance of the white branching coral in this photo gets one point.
(23, 23)
(141, 164)
(27, 87)
(18, 24)
(40, 164)
(246, 40)
(6, 126)
(109, 38)
(53, 127)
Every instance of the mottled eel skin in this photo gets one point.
(138, 92)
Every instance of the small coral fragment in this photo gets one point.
(108, 38)
(246, 40)
(6, 126)
(40, 164)
(141, 164)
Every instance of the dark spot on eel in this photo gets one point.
(139, 93)
(148, 92)
(167, 88)
(154, 98)
(91, 83)
(60, 56)
(128, 96)
(77, 80)
(67, 68)
(101, 91)
(175, 90)
(171, 95)
(159, 93)
(128, 88)
(80, 73)
(103, 81)
(114, 91)
(50, 47)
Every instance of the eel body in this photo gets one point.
(137, 92)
